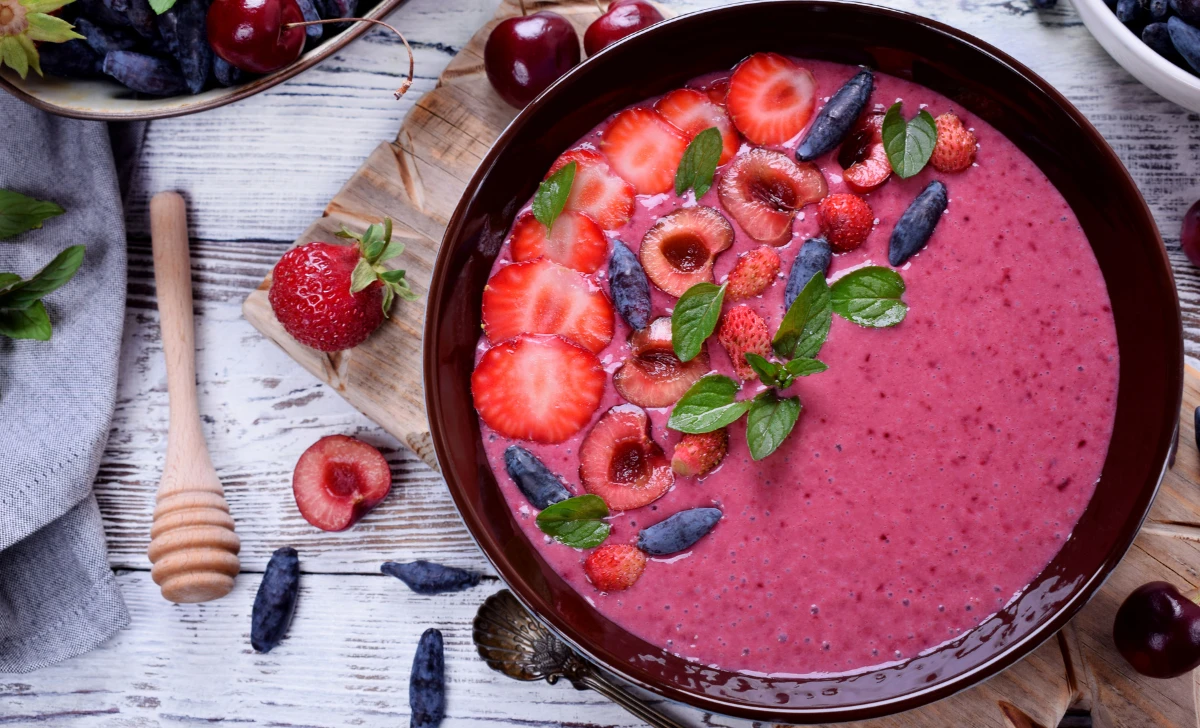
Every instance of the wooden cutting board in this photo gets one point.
(417, 180)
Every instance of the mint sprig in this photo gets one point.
(805, 326)
(695, 318)
(552, 195)
(709, 404)
(699, 162)
(770, 421)
(375, 246)
(19, 213)
(870, 297)
(576, 522)
(22, 313)
(781, 376)
(908, 144)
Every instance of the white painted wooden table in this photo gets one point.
(255, 174)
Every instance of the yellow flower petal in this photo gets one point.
(12, 54)
(31, 53)
(50, 29)
(44, 6)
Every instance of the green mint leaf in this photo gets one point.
(708, 405)
(767, 371)
(699, 162)
(19, 213)
(24, 294)
(576, 521)
(7, 280)
(25, 323)
(161, 6)
(908, 145)
(770, 421)
(806, 324)
(870, 297)
(552, 195)
(362, 276)
(803, 366)
(695, 318)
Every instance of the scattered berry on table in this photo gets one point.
(622, 18)
(644, 149)
(770, 98)
(679, 532)
(540, 297)
(427, 682)
(955, 147)
(575, 240)
(525, 54)
(615, 567)
(536, 481)
(692, 112)
(743, 331)
(540, 388)
(338, 480)
(845, 220)
(596, 191)
(753, 273)
(629, 286)
(619, 461)
(814, 257)
(275, 602)
(763, 189)
(836, 117)
(1157, 630)
(652, 376)
(679, 250)
(426, 577)
(697, 454)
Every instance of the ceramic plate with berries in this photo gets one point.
(151, 59)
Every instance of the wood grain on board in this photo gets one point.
(417, 181)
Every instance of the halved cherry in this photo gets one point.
(619, 462)
(596, 191)
(678, 252)
(653, 376)
(762, 190)
(575, 240)
(692, 112)
(863, 157)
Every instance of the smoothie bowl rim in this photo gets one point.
(486, 229)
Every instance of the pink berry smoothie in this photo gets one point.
(937, 465)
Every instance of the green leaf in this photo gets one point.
(372, 243)
(870, 297)
(695, 318)
(44, 6)
(699, 162)
(407, 293)
(347, 233)
(162, 6)
(552, 195)
(392, 276)
(49, 29)
(7, 280)
(49, 279)
(26, 323)
(708, 405)
(770, 421)
(908, 145)
(362, 276)
(13, 55)
(19, 213)
(767, 371)
(576, 521)
(803, 367)
(806, 324)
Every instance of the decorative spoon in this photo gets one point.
(512, 642)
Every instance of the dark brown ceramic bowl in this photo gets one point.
(987, 83)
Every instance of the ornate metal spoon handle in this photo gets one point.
(614, 692)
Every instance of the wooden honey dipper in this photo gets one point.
(192, 543)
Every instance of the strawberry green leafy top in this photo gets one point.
(24, 22)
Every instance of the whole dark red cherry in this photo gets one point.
(1157, 630)
(524, 55)
(250, 34)
(1189, 236)
(623, 17)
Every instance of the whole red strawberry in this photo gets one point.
(955, 147)
(846, 221)
(615, 567)
(754, 273)
(331, 297)
(696, 455)
(742, 330)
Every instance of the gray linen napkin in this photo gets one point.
(58, 597)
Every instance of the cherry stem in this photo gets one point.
(411, 63)
(522, 4)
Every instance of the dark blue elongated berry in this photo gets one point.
(629, 286)
(1189, 10)
(225, 72)
(1043, 4)
(1158, 10)
(105, 40)
(540, 486)
(427, 682)
(275, 602)
(426, 577)
(915, 226)
(336, 9)
(73, 59)
(1186, 40)
(1158, 37)
(814, 257)
(309, 10)
(836, 118)
(678, 532)
(1131, 12)
(134, 14)
(184, 28)
(145, 74)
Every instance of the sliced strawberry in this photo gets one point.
(596, 191)
(864, 158)
(575, 241)
(615, 567)
(697, 455)
(845, 220)
(337, 480)
(653, 376)
(762, 190)
(753, 273)
(716, 90)
(644, 149)
(955, 147)
(540, 388)
(620, 463)
(742, 330)
(540, 297)
(770, 98)
(692, 112)
(678, 252)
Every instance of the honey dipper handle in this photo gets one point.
(193, 545)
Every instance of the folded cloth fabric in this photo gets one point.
(58, 596)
